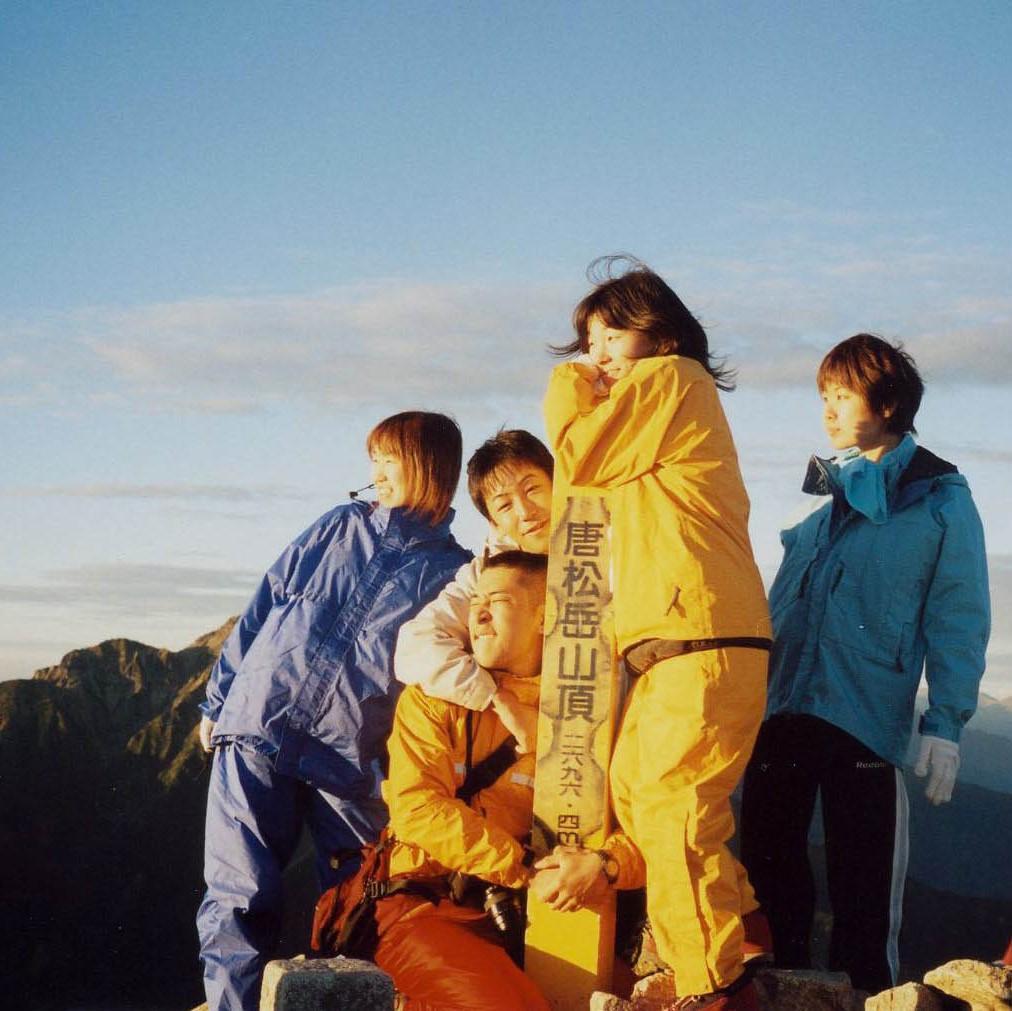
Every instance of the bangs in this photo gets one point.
(384, 438)
(842, 371)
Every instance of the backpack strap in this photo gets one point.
(489, 769)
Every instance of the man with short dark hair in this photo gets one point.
(448, 953)
(445, 950)
(510, 480)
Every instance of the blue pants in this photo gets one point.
(254, 819)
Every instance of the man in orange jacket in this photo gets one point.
(450, 953)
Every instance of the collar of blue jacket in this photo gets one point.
(867, 486)
(400, 524)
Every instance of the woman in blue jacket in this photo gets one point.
(301, 700)
(885, 577)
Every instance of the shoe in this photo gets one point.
(758, 946)
(733, 998)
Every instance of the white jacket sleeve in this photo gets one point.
(434, 648)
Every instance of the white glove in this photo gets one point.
(940, 758)
(206, 729)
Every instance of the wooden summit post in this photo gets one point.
(570, 955)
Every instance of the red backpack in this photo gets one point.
(344, 921)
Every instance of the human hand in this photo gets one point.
(206, 729)
(569, 878)
(940, 758)
(519, 719)
(594, 374)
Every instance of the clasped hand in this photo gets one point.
(570, 878)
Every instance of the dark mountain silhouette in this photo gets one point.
(993, 716)
(102, 787)
(985, 747)
(102, 793)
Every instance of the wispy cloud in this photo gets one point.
(819, 276)
(161, 492)
(126, 590)
(356, 345)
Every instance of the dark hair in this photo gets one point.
(430, 448)
(526, 561)
(883, 373)
(508, 447)
(639, 300)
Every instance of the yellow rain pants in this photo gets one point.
(685, 739)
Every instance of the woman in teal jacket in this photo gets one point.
(884, 578)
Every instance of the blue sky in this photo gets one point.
(236, 235)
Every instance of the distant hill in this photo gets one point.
(103, 787)
(962, 847)
(985, 746)
(993, 716)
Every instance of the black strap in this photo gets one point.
(640, 657)
(489, 769)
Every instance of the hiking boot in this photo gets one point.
(733, 998)
(758, 945)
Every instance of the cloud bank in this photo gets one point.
(808, 279)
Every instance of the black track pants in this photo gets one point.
(864, 808)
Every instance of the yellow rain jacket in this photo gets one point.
(659, 443)
(437, 833)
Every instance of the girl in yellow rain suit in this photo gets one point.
(638, 415)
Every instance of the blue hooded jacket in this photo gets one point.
(306, 675)
(884, 579)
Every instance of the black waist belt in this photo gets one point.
(641, 657)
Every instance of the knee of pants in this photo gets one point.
(440, 961)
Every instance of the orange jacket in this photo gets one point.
(437, 833)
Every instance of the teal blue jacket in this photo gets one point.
(885, 578)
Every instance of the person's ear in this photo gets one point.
(539, 618)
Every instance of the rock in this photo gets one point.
(804, 990)
(984, 987)
(914, 997)
(654, 991)
(600, 1001)
(648, 960)
(315, 984)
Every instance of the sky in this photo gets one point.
(236, 235)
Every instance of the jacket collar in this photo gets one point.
(398, 524)
(867, 487)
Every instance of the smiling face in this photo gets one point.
(850, 421)
(518, 497)
(388, 475)
(615, 351)
(505, 620)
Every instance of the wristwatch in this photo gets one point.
(608, 862)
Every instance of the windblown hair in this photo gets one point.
(628, 295)
(883, 373)
(507, 448)
(430, 449)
